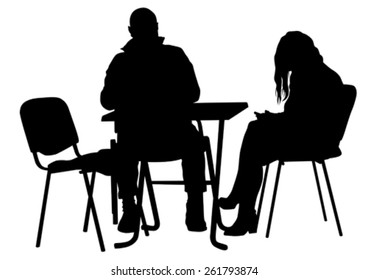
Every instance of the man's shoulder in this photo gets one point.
(173, 52)
(119, 59)
(173, 49)
(120, 56)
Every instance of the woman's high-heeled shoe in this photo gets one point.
(245, 223)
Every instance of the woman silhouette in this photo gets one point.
(309, 87)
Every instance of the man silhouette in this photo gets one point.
(150, 86)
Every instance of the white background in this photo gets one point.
(63, 48)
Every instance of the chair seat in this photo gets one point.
(103, 162)
(169, 154)
(306, 154)
(161, 157)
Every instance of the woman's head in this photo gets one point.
(295, 51)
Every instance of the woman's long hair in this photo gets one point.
(295, 51)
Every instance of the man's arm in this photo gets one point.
(112, 90)
(193, 83)
(188, 80)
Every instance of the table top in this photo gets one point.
(204, 111)
(216, 110)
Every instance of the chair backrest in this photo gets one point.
(48, 125)
(345, 105)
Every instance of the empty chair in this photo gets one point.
(49, 129)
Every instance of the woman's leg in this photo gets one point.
(257, 148)
(254, 152)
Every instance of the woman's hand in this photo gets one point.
(263, 116)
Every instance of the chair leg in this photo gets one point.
(332, 198)
(114, 190)
(125, 244)
(319, 191)
(43, 210)
(88, 209)
(215, 216)
(94, 212)
(151, 195)
(273, 199)
(142, 176)
(114, 201)
(262, 194)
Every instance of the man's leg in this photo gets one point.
(193, 164)
(126, 173)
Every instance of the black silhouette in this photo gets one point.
(150, 86)
(344, 104)
(49, 129)
(200, 111)
(308, 126)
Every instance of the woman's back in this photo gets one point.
(312, 97)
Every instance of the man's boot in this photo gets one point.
(129, 222)
(195, 213)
